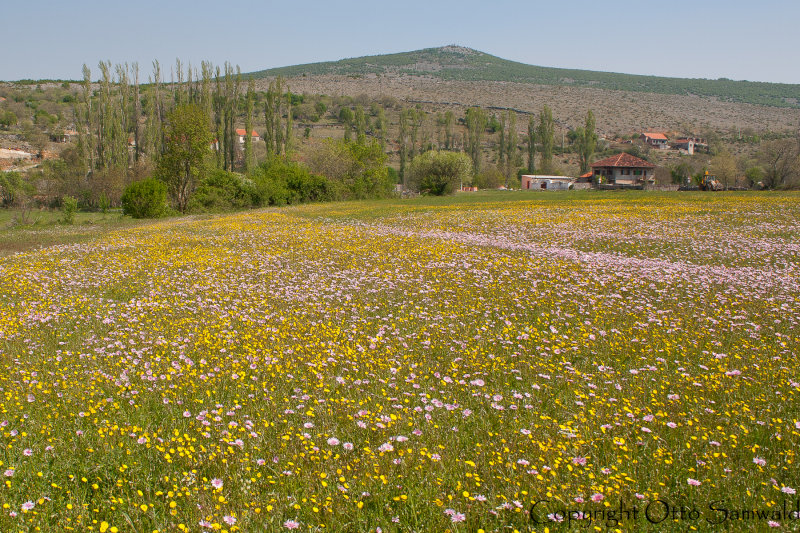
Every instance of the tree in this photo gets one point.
(248, 126)
(358, 171)
(586, 140)
(187, 149)
(513, 158)
(779, 159)
(476, 125)
(545, 133)
(440, 173)
(723, 166)
(531, 144)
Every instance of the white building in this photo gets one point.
(551, 183)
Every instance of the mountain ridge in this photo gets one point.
(459, 63)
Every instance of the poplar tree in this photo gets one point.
(587, 142)
(476, 125)
(512, 153)
(531, 144)
(248, 126)
(403, 142)
(545, 133)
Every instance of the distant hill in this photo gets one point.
(465, 64)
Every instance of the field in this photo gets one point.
(419, 365)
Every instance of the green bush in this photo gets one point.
(145, 199)
(69, 206)
(221, 191)
(440, 173)
(280, 182)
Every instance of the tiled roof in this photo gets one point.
(623, 160)
(243, 131)
(655, 136)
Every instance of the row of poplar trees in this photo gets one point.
(540, 138)
(121, 122)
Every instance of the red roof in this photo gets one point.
(241, 132)
(623, 160)
(655, 136)
(587, 175)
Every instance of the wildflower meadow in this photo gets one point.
(496, 362)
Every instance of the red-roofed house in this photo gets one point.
(242, 132)
(623, 169)
(656, 140)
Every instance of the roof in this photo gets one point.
(545, 177)
(587, 175)
(623, 160)
(243, 131)
(655, 136)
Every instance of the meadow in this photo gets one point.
(409, 365)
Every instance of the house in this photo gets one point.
(623, 169)
(552, 183)
(243, 132)
(656, 140)
(687, 145)
(65, 136)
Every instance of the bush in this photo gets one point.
(280, 182)
(439, 173)
(355, 171)
(221, 191)
(145, 199)
(69, 206)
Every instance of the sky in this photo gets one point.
(736, 39)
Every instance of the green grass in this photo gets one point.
(480, 352)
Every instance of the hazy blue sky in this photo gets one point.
(736, 39)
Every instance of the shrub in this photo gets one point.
(356, 171)
(221, 191)
(145, 199)
(278, 182)
(69, 205)
(439, 173)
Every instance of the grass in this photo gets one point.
(415, 365)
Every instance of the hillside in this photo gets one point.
(456, 63)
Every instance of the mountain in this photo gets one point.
(465, 64)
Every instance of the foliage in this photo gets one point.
(279, 181)
(754, 175)
(69, 206)
(440, 173)
(221, 191)
(489, 178)
(14, 189)
(780, 160)
(586, 140)
(545, 134)
(358, 171)
(680, 173)
(145, 199)
(187, 151)
(7, 119)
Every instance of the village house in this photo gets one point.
(685, 145)
(623, 169)
(656, 140)
(553, 183)
(243, 132)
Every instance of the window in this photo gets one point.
(637, 172)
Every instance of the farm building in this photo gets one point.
(686, 145)
(558, 183)
(656, 140)
(243, 132)
(623, 169)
